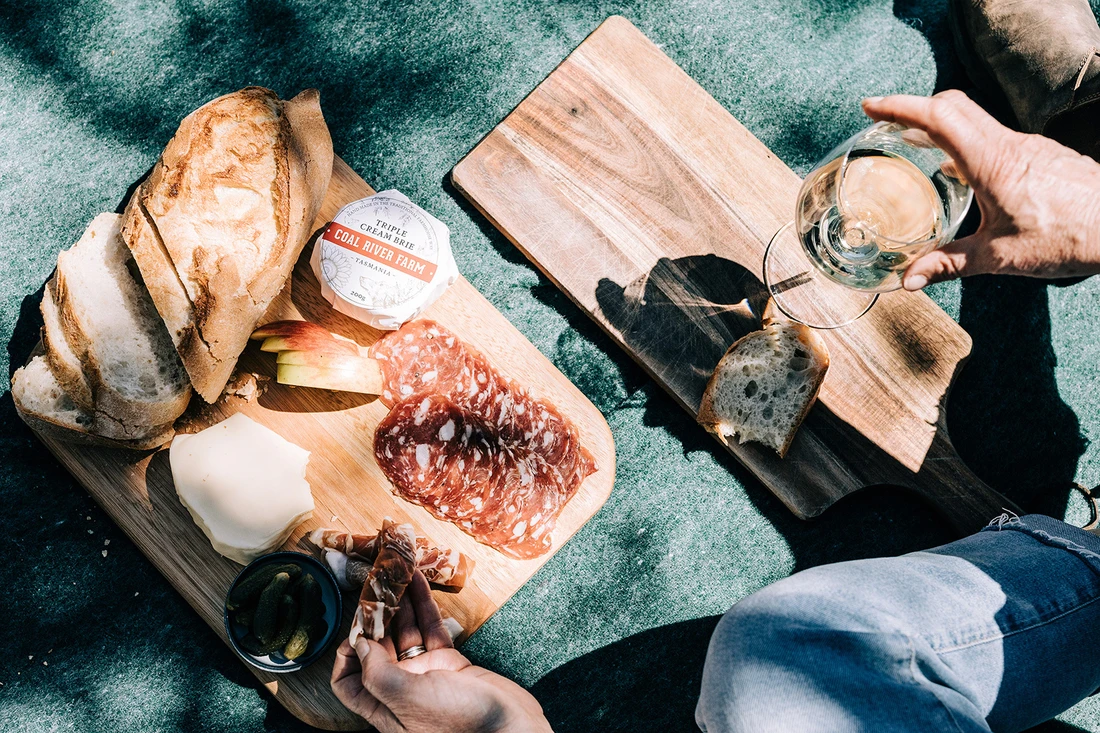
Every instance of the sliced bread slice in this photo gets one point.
(62, 359)
(764, 386)
(48, 410)
(68, 371)
(111, 324)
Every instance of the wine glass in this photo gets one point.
(875, 203)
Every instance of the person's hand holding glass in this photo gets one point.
(868, 222)
(872, 206)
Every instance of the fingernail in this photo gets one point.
(362, 648)
(872, 100)
(916, 282)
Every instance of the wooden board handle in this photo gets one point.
(967, 502)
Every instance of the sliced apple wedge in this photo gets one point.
(324, 360)
(287, 328)
(365, 377)
(303, 336)
(308, 342)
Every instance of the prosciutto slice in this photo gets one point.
(386, 581)
(441, 565)
(472, 446)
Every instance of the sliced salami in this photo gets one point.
(473, 447)
(420, 356)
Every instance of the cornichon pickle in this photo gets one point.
(265, 622)
(254, 646)
(297, 645)
(250, 587)
(311, 613)
(309, 598)
(288, 621)
(295, 582)
(244, 615)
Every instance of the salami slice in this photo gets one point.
(419, 357)
(470, 445)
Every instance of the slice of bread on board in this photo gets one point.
(69, 374)
(765, 384)
(47, 408)
(218, 225)
(63, 361)
(109, 322)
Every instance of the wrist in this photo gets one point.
(1089, 245)
(519, 720)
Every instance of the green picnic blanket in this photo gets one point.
(611, 633)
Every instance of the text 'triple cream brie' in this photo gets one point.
(383, 260)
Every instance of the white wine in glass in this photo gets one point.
(874, 204)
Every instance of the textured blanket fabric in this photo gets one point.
(611, 633)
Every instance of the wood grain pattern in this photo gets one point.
(349, 488)
(650, 206)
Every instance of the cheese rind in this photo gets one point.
(244, 485)
(383, 260)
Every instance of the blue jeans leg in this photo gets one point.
(994, 632)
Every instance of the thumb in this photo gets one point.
(385, 681)
(956, 259)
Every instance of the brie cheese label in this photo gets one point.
(383, 260)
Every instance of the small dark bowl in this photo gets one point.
(330, 595)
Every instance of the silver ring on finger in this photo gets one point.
(412, 651)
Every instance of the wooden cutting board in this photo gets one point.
(650, 206)
(349, 489)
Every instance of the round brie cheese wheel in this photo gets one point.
(383, 260)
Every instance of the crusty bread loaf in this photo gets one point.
(63, 361)
(217, 226)
(764, 386)
(110, 323)
(48, 409)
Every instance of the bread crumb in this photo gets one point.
(106, 542)
(104, 553)
(245, 385)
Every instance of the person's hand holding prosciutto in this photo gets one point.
(438, 690)
(1040, 201)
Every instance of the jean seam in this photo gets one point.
(1015, 524)
(1005, 635)
(913, 676)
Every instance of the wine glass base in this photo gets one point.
(803, 293)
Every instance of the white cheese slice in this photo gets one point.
(244, 484)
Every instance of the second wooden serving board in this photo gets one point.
(349, 489)
(648, 204)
